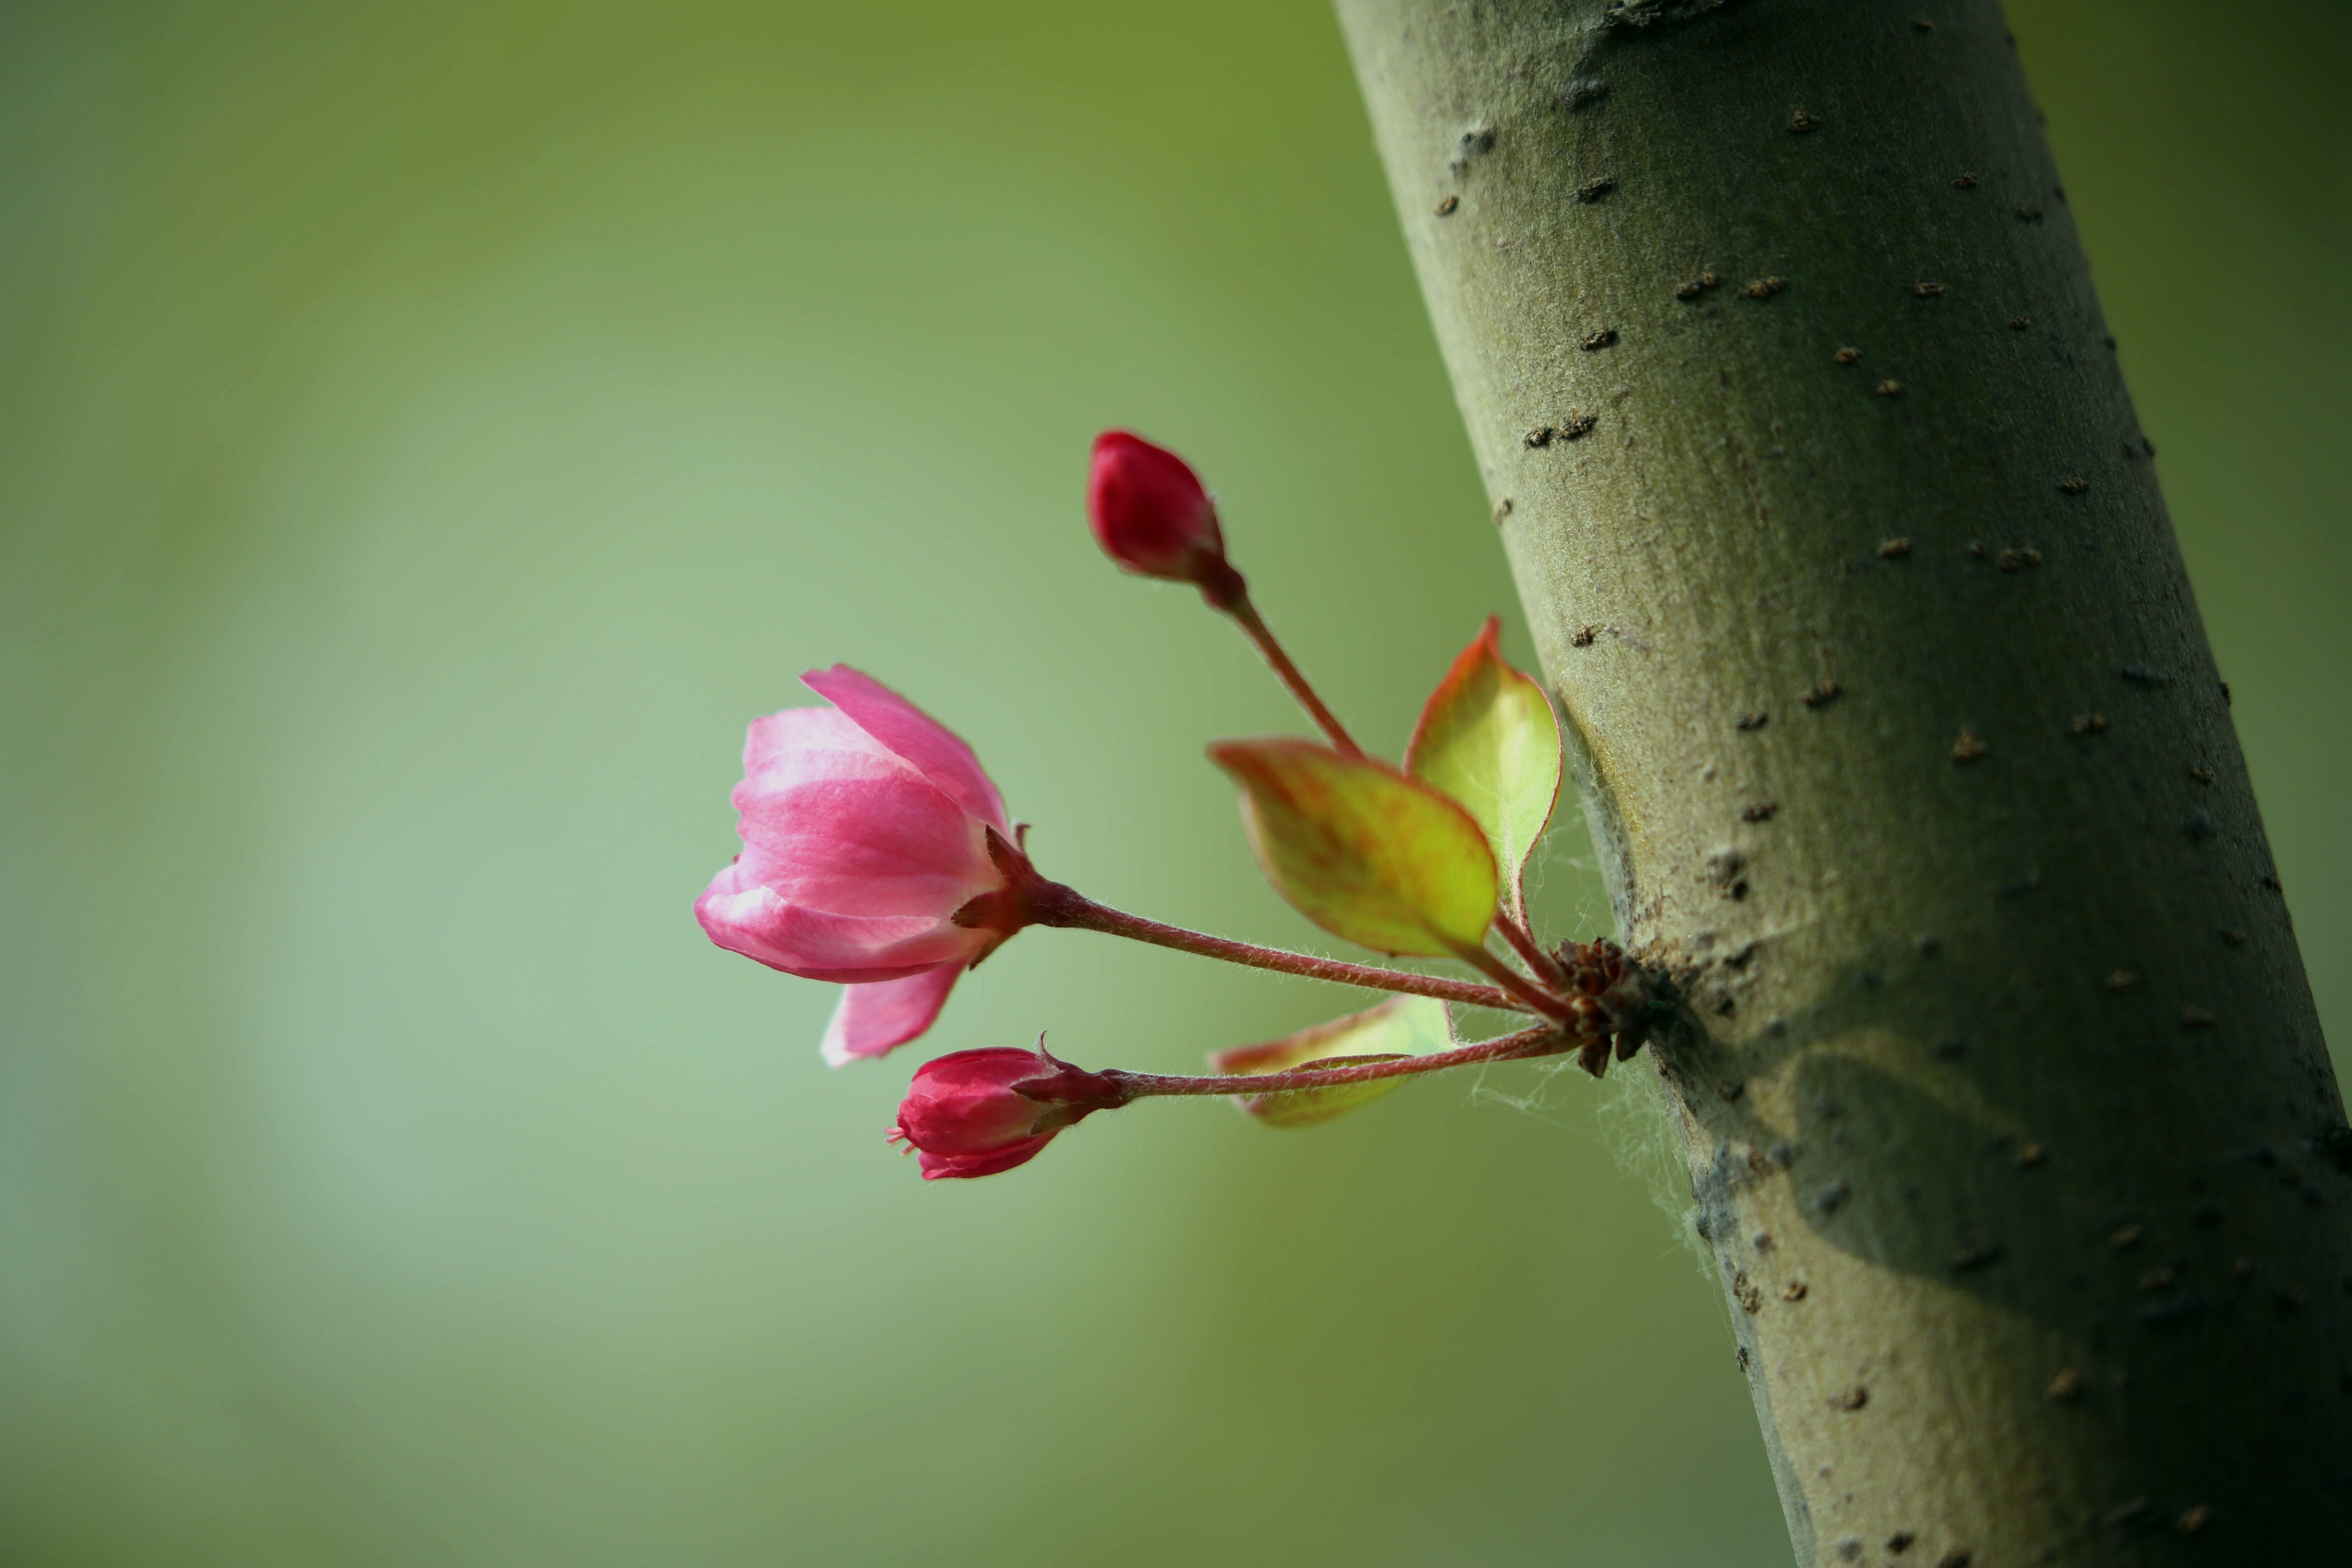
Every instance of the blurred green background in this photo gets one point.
(429, 432)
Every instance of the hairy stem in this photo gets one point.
(1541, 1041)
(1245, 616)
(1523, 942)
(1055, 905)
(2008, 1117)
(1531, 996)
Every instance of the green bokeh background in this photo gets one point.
(429, 433)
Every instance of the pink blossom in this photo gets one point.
(864, 830)
(1151, 516)
(974, 1113)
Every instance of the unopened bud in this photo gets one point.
(1151, 516)
(974, 1113)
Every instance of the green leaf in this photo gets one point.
(1488, 737)
(1401, 1026)
(1361, 850)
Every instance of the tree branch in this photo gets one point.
(2008, 1116)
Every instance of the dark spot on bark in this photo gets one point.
(1743, 1358)
(1829, 1199)
(1819, 693)
(1976, 1256)
(1761, 812)
(1737, 892)
(2197, 824)
(1502, 511)
(1950, 1049)
(1957, 1559)
(1925, 25)
(1930, 946)
(1853, 1398)
(1652, 12)
(1756, 720)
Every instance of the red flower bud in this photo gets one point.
(1151, 516)
(974, 1113)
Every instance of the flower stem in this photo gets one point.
(1052, 904)
(1531, 997)
(1543, 1040)
(1523, 942)
(1244, 614)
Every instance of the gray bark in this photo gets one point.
(2010, 1128)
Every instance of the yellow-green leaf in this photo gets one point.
(1401, 1026)
(1488, 738)
(1361, 850)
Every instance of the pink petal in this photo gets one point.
(873, 1019)
(742, 916)
(935, 750)
(780, 736)
(887, 845)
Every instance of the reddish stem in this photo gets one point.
(1237, 604)
(1531, 998)
(1053, 904)
(1523, 942)
(1543, 1040)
